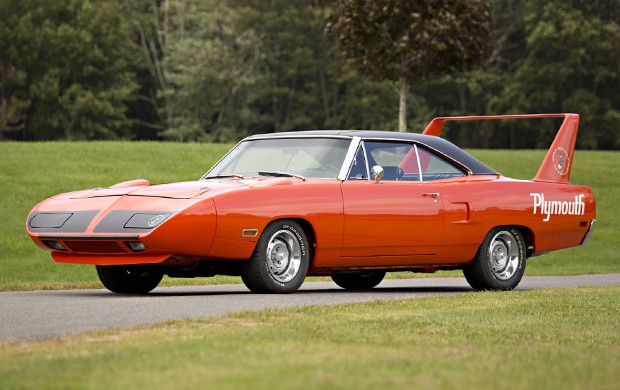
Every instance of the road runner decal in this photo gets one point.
(556, 207)
(561, 161)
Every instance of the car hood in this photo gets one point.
(182, 190)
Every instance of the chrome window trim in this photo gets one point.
(348, 159)
(417, 157)
(428, 148)
(366, 161)
(293, 136)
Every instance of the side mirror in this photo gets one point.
(377, 173)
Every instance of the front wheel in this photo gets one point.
(500, 261)
(129, 279)
(280, 260)
(359, 280)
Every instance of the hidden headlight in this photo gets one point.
(146, 220)
(49, 220)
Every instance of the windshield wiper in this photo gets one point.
(280, 174)
(225, 175)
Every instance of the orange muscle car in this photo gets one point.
(348, 204)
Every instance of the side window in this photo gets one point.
(359, 170)
(436, 168)
(391, 156)
(402, 162)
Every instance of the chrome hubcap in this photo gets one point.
(283, 256)
(504, 255)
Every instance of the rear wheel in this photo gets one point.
(129, 279)
(500, 261)
(359, 281)
(280, 260)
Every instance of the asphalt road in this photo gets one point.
(42, 314)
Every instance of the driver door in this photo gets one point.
(398, 216)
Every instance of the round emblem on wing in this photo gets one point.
(561, 161)
(156, 220)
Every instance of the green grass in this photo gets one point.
(556, 338)
(31, 172)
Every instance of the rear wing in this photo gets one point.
(556, 166)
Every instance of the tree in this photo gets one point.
(65, 70)
(405, 41)
(203, 67)
(213, 69)
(547, 56)
(307, 84)
(149, 20)
(570, 64)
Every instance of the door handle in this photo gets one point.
(433, 195)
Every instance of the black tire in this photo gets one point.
(280, 260)
(129, 279)
(359, 280)
(500, 261)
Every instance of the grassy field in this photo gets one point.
(557, 338)
(31, 172)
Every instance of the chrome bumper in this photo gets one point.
(590, 230)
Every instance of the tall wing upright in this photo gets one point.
(556, 166)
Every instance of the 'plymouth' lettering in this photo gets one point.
(556, 207)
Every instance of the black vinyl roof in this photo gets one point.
(439, 144)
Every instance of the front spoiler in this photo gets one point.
(109, 259)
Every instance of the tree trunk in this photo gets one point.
(402, 111)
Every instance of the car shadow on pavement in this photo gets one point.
(213, 291)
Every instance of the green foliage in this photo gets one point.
(554, 338)
(66, 69)
(212, 69)
(219, 70)
(405, 42)
(549, 56)
(411, 40)
(296, 55)
(306, 85)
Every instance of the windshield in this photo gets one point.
(307, 157)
